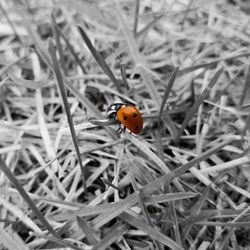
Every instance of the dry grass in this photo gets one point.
(68, 180)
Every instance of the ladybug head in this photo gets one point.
(112, 110)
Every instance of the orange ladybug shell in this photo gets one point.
(130, 117)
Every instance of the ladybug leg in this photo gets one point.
(124, 129)
(119, 130)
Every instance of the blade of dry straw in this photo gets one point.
(167, 92)
(114, 234)
(61, 87)
(69, 46)
(27, 83)
(143, 32)
(96, 210)
(160, 198)
(223, 224)
(168, 121)
(151, 155)
(89, 232)
(26, 197)
(207, 65)
(123, 73)
(60, 242)
(175, 221)
(99, 59)
(6, 240)
(55, 33)
(141, 202)
(198, 102)
(137, 8)
(195, 211)
(246, 89)
(230, 232)
(152, 232)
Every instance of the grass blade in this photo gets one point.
(114, 235)
(66, 107)
(154, 233)
(137, 8)
(99, 59)
(6, 240)
(198, 102)
(167, 92)
(88, 231)
(26, 197)
(58, 43)
(59, 32)
(134, 52)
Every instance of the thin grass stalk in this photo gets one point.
(196, 210)
(136, 17)
(114, 235)
(99, 59)
(58, 43)
(160, 237)
(175, 221)
(141, 203)
(246, 89)
(61, 87)
(207, 65)
(71, 49)
(167, 93)
(89, 232)
(139, 63)
(198, 102)
(123, 74)
(60, 242)
(26, 197)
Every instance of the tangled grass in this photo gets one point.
(69, 180)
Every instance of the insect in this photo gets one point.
(128, 115)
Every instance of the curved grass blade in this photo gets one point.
(66, 107)
(69, 46)
(99, 59)
(27, 83)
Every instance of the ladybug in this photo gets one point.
(128, 115)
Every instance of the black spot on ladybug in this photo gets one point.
(134, 114)
(137, 127)
(125, 117)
